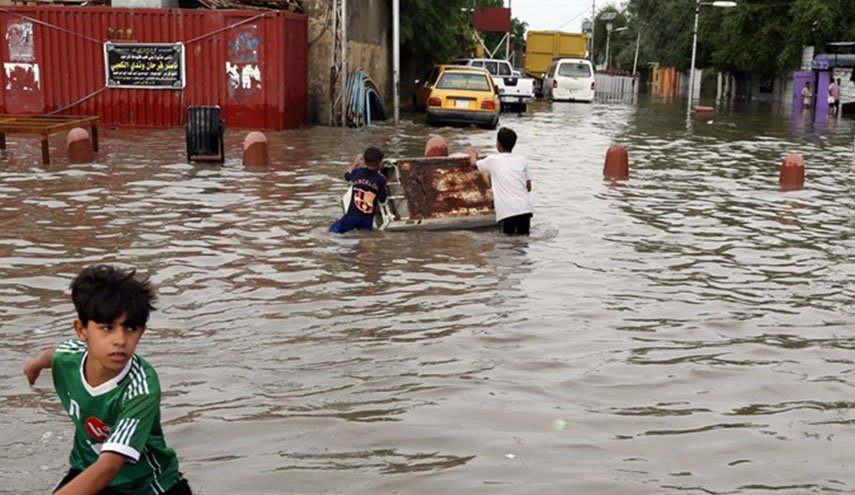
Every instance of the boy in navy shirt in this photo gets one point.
(369, 190)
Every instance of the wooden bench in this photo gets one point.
(45, 125)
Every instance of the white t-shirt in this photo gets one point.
(806, 96)
(508, 175)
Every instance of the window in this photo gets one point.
(505, 69)
(462, 80)
(433, 75)
(569, 69)
(551, 71)
(491, 67)
(478, 63)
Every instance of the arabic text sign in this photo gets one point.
(144, 65)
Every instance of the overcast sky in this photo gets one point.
(550, 15)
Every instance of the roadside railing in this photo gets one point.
(614, 86)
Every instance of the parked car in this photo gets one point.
(569, 79)
(515, 90)
(543, 47)
(463, 95)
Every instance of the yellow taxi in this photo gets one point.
(455, 94)
(423, 87)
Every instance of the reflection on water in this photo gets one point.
(692, 325)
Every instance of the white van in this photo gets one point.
(569, 79)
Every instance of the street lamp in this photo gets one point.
(608, 39)
(717, 3)
(606, 16)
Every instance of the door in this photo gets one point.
(423, 88)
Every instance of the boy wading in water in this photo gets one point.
(510, 180)
(369, 190)
(111, 395)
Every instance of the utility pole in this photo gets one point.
(344, 63)
(637, 44)
(508, 42)
(608, 39)
(593, 30)
(396, 55)
(692, 69)
(332, 60)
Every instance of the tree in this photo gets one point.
(760, 36)
(429, 29)
(438, 31)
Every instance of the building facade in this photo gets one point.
(369, 47)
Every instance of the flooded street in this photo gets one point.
(688, 331)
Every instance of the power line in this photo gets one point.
(580, 14)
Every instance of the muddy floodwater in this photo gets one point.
(688, 331)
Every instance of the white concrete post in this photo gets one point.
(344, 63)
(396, 55)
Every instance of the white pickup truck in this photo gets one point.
(515, 90)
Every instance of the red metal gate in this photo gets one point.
(253, 64)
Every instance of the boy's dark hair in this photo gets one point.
(507, 138)
(373, 157)
(103, 293)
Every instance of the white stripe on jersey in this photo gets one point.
(132, 389)
(129, 432)
(71, 347)
(117, 432)
(157, 469)
(155, 486)
(144, 380)
(139, 384)
(124, 431)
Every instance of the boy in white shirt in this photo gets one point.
(510, 180)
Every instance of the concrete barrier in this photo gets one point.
(255, 150)
(436, 146)
(79, 145)
(617, 163)
(792, 176)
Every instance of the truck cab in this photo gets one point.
(515, 91)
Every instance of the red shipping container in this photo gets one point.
(253, 64)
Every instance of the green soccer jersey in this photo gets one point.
(121, 415)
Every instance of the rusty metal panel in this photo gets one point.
(253, 64)
(444, 187)
(22, 74)
(492, 19)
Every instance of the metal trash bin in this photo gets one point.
(205, 131)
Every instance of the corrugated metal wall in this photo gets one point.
(253, 64)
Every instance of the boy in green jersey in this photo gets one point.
(111, 394)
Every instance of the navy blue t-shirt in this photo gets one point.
(369, 189)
